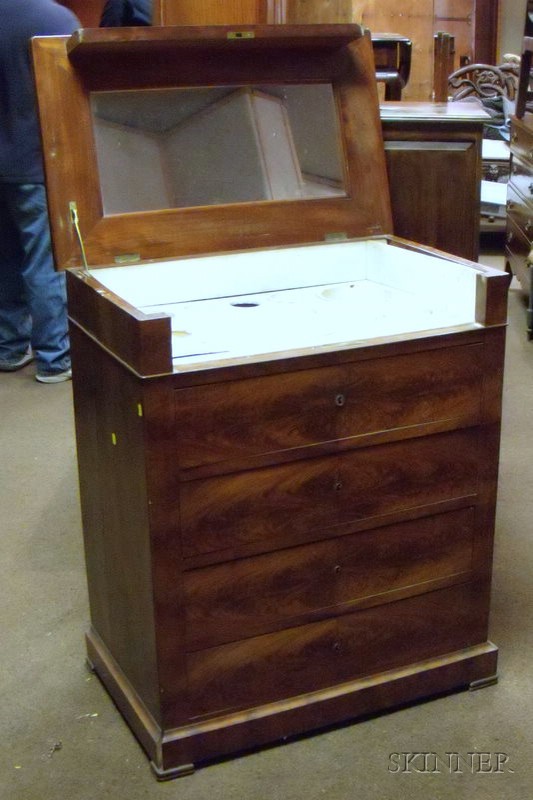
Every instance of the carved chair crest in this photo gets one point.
(485, 80)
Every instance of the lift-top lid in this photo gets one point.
(164, 142)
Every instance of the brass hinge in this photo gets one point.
(127, 258)
(339, 236)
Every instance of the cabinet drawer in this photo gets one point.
(256, 595)
(519, 211)
(518, 249)
(521, 181)
(261, 415)
(521, 141)
(294, 502)
(316, 656)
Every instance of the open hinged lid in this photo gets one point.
(165, 142)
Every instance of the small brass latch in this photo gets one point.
(241, 35)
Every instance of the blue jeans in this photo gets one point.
(33, 303)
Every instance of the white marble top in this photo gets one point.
(260, 302)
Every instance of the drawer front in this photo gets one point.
(261, 415)
(311, 657)
(294, 502)
(521, 141)
(521, 180)
(519, 211)
(518, 249)
(256, 595)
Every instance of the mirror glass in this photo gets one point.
(178, 148)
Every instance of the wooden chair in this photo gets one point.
(485, 80)
(443, 58)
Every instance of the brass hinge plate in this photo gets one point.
(339, 236)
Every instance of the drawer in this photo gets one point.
(320, 655)
(251, 596)
(260, 415)
(521, 182)
(291, 503)
(518, 249)
(519, 211)
(521, 140)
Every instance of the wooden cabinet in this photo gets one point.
(434, 166)
(214, 12)
(519, 242)
(472, 23)
(287, 453)
(277, 546)
(87, 11)
(259, 569)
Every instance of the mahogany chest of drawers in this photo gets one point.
(288, 451)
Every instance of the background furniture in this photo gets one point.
(472, 23)
(216, 12)
(485, 80)
(525, 94)
(496, 168)
(392, 56)
(519, 242)
(433, 156)
(443, 65)
(495, 86)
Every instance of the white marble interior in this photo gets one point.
(248, 304)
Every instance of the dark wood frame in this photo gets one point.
(275, 54)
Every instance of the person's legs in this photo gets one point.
(15, 321)
(44, 288)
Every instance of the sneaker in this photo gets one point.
(17, 362)
(54, 377)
